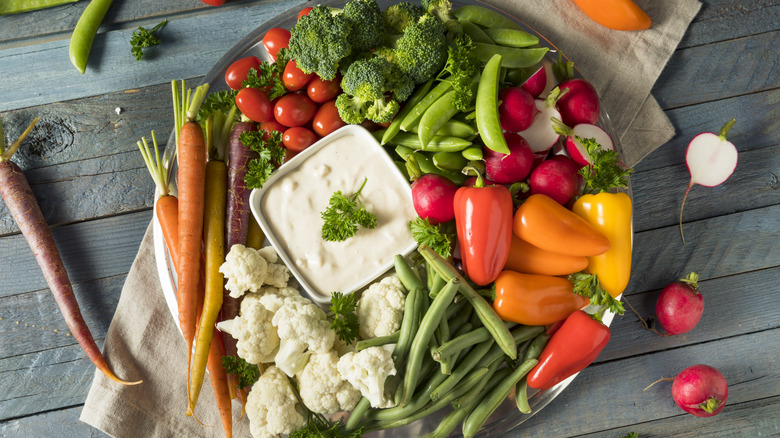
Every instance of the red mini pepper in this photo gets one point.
(572, 347)
(483, 218)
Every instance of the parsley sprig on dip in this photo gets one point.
(344, 214)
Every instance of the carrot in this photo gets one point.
(219, 383)
(24, 208)
(217, 129)
(167, 205)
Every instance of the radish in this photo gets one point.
(711, 159)
(433, 196)
(680, 305)
(574, 148)
(580, 104)
(541, 136)
(700, 390)
(556, 178)
(536, 84)
(512, 167)
(517, 109)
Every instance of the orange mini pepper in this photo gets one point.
(615, 14)
(528, 259)
(535, 299)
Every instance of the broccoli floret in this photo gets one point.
(366, 86)
(442, 9)
(400, 15)
(367, 24)
(318, 41)
(422, 49)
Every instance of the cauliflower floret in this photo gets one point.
(301, 325)
(381, 308)
(277, 275)
(273, 297)
(272, 406)
(257, 339)
(245, 270)
(321, 387)
(367, 371)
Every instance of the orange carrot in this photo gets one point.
(219, 384)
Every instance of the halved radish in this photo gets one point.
(536, 84)
(574, 148)
(540, 135)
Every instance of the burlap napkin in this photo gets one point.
(143, 341)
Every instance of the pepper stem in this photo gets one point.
(468, 170)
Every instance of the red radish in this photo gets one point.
(536, 84)
(541, 136)
(516, 110)
(512, 167)
(680, 305)
(433, 197)
(700, 390)
(574, 148)
(580, 104)
(711, 159)
(556, 178)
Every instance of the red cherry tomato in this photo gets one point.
(213, 2)
(305, 11)
(294, 110)
(294, 78)
(298, 138)
(320, 90)
(326, 119)
(254, 104)
(275, 39)
(271, 126)
(238, 70)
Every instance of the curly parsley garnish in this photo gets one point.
(270, 151)
(246, 372)
(345, 322)
(424, 232)
(268, 76)
(222, 100)
(604, 172)
(143, 38)
(343, 216)
(589, 286)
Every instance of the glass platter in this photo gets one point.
(506, 417)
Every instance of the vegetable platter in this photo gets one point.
(506, 415)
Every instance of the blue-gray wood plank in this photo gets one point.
(726, 66)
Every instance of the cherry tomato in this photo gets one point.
(305, 11)
(320, 90)
(326, 119)
(276, 38)
(298, 138)
(254, 104)
(238, 71)
(271, 126)
(294, 78)
(294, 110)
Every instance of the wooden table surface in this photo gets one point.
(85, 170)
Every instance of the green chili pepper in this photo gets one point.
(84, 32)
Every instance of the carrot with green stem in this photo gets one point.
(20, 199)
(217, 132)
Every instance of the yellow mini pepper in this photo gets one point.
(610, 213)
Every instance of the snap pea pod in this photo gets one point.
(437, 143)
(417, 111)
(8, 7)
(472, 153)
(413, 100)
(449, 161)
(512, 57)
(84, 32)
(511, 37)
(476, 33)
(378, 341)
(488, 123)
(435, 117)
(494, 397)
(453, 128)
(404, 152)
(485, 17)
(426, 166)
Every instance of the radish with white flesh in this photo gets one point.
(536, 84)
(711, 159)
(580, 104)
(512, 167)
(433, 197)
(574, 148)
(517, 109)
(541, 136)
(556, 178)
(700, 390)
(680, 305)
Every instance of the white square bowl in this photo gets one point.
(291, 255)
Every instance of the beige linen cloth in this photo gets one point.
(143, 341)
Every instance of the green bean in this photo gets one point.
(84, 33)
(488, 124)
(521, 396)
(450, 161)
(408, 277)
(476, 336)
(436, 283)
(512, 37)
(418, 402)
(408, 329)
(378, 341)
(473, 153)
(536, 347)
(453, 128)
(9, 7)
(437, 143)
(415, 98)
(435, 117)
(476, 33)
(357, 413)
(419, 108)
(485, 17)
(425, 162)
(483, 309)
(461, 316)
(494, 397)
(512, 57)
(469, 362)
(424, 334)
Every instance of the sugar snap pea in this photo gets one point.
(438, 143)
(419, 108)
(472, 153)
(485, 17)
(512, 37)
(84, 32)
(435, 117)
(488, 123)
(476, 33)
(451, 161)
(395, 125)
(8, 7)
(453, 128)
(425, 163)
(512, 57)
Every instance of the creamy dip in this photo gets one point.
(293, 204)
